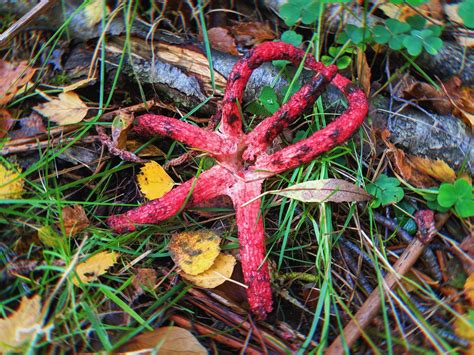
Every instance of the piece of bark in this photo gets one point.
(426, 134)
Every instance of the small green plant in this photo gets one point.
(411, 35)
(466, 12)
(458, 196)
(292, 37)
(306, 11)
(336, 56)
(386, 191)
(266, 103)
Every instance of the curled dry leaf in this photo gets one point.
(194, 252)
(6, 122)
(94, 266)
(67, 108)
(74, 219)
(165, 340)
(144, 279)
(222, 40)
(21, 325)
(363, 71)
(249, 34)
(216, 275)
(154, 181)
(11, 184)
(12, 79)
(326, 190)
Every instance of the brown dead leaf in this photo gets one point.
(12, 78)
(222, 40)
(30, 126)
(149, 151)
(220, 271)
(6, 122)
(249, 34)
(165, 341)
(21, 326)
(93, 267)
(418, 171)
(74, 219)
(427, 95)
(194, 252)
(144, 278)
(363, 71)
(67, 108)
(464, 105)
(120, 127)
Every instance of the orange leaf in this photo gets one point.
(12, 78)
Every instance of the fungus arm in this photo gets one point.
(335, 133)
(210, 184)
(183, 132)
(252, 247)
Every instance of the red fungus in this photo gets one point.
(243, 161)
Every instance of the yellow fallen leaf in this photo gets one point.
(469, 289)
(464, 328)
(21, 325)
(94, 11)
(11, 184)
(95, 266)
(67, 108)
(437, 169)
(153, 180)
(79, 84)
(216, 275)
(164, 341)
(194, 252)
(49, 237)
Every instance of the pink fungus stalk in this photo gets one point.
(243, 161)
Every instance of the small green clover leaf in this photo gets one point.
(291, 37)
(416, 22)
(413, 3)
(466, 12)
(294, 10)
(342, 62)
(458, 195)
(386, 190)
(417, 40)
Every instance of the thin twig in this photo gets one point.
(353, 330)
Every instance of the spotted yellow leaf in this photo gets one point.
(11, 184)
(216, 275)
(194, 252)
(94, 266)
(21, 326)
(153, 180)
